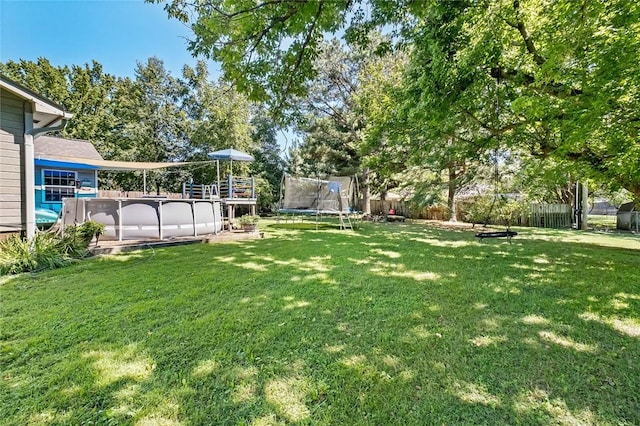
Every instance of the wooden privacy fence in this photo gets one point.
(550, 215)
(401, 208)
(539, 215)
(379, 207)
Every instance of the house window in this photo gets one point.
(59, 184)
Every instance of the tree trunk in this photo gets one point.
(635, 192)
(383, 198)
(585, 207)
(451, 196)
(366, 193)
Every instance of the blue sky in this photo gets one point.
(116, 33)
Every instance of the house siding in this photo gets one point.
(12, 191)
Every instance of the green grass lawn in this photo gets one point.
(602, 221)
(390, 324)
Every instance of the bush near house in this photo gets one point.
(47, 250)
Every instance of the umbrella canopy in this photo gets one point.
(230, 154)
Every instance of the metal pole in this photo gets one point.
(253, 187)
(63, 217)
(160, 233)
(193, 209)
(213, 206)
(576, 205)
(119, 220)
(144, 182)
(218, 174)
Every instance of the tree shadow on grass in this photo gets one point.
(402, 325)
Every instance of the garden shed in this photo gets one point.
(628, 217)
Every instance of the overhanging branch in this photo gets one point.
(251, 9)
(524, 33)
(557, 90)
(305, 44)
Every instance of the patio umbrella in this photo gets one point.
(228, 154)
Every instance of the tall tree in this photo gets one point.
(91, 93)
(328, 120)
(326, 148)
(153, 122)
(41, 77)
(326, 116)
(266, 48)
(568, 70)
(268, 166)
(332, 121)
(86, 91)
(383, 150)
(218, 117)
(558, 92)
(153, 117)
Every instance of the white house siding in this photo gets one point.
(12, 195)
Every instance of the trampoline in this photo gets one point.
(334, 196)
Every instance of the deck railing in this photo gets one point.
(200, 191)
(237, 187)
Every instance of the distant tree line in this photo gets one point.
(157, 117)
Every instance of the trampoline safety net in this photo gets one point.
(307, 195)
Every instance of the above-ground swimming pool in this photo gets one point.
(145, 218)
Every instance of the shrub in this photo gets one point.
(510, 211)
(74, 243)
(501, 210)
(47, 250)
(43, 251)
(14, 255)
(480, 211)
(249, 219)
(89, 230)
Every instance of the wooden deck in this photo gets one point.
(113, 247)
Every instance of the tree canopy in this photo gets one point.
(153, 116)
(556, 80)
